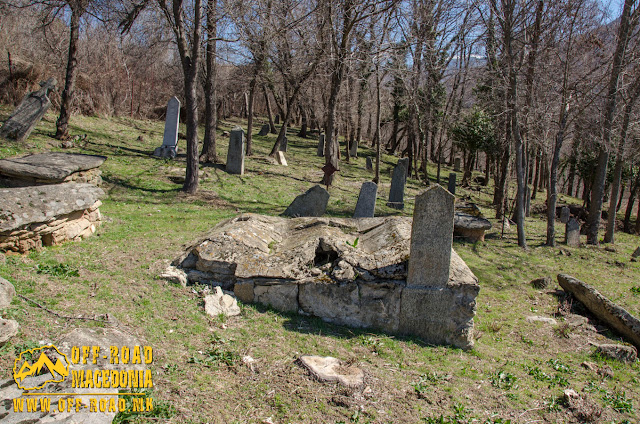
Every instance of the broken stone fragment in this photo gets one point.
(622, 353)
(221, 303)
(329, 369)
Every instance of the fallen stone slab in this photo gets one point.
(31, 217)
(604, 309)
(51, 168)
(29, 112)
(329, 369)
(470, 227)
(313, 202)
(622, 353)
(344, 270)
(221, 303)
(545, 320)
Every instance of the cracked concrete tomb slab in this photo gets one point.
(343, 270)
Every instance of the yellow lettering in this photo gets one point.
(88, 380)
(147, 379)
(138, 404)
(112, 405)
(124, 381)
(45, 405)
(149, 404)
(78, 404)
(122, 404)
(133, 378)
(75, 355)
(115, 378)
(114, 355)
(78, 378)
(92, 405)
(18, 405)
(96, 354)
(105, 379)
(148, 354)
(62, 405)
(85, 354)
(135, 358)
(102, 405)
(32, 405)
(124, 355)
(96, 379)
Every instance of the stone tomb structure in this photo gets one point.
(396, 279)
(32, 217)
(51, 168)
(398, 181)
(28, 113)
(235, 154)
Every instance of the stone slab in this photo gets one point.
(572, 233)
(398, 181)
(366, 205)
(451, 185)
(604, 309)
(313, 202)
(320, 151)
(51, 166)
(27, 205)
(235, 154)
(172, 120)
(29, 112)
(329, 369)
(280, 158)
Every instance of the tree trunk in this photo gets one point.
(62, 124)
(598, 188)
(252, 92)
(630, 203)
(552, 192)
(267, 101)
(191, 100)
(209, 150)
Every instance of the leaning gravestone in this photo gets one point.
(311, 203)
(369, 164)
(456, 164)
(281, 159)
(398, 181)
(264, 130)
(277, 120)
(565, 214)
(353, 149)
(366, 205)
(28, 113)
(321, 146)
(170, 138)
(452, 183)
(235, 154)
(572, 235)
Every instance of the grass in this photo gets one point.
(515, 373)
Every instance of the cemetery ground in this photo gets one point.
(517, 370)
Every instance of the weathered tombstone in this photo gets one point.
(353, 149)
(264, 130)
(366, 205)
(235, 154)
(431, 238)
(313, 202)
(284, 144)
(398, 180)
(565, 214)
(170, 137)
(369, 164)
(281, 159)
(321, 145)
(452, 183)
(28, 113)
(456, 164)
(277, 120)
(572, 234)
(527, 202)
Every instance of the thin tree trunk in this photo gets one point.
(252, 92)
(209, 149)
(62, 124)
(630, 203)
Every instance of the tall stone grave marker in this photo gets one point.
(456, 164)
(452, 183)
(565, 214)
(369, 164)
(280, 158)
(277, 120)
(572, 234)
(366, 205)
(285, 144)
(313, 202)
(398, 181)
(28, 113)
(170, 138)
(437, 312)
(353, 149)
(235, 154)
(321, 145)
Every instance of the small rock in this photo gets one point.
(606, 372)
(7, 291)
(225, 133)
(140, 137)
(636, 253)
(175, 275)
(221, 303)
(571, 394)
(623, 353)
(610, 249)
(329, 369)
(8, 329)
(590, 366)
(249, 362)
(546, 320)
(541, 283)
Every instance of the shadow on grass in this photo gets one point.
(119, 182)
